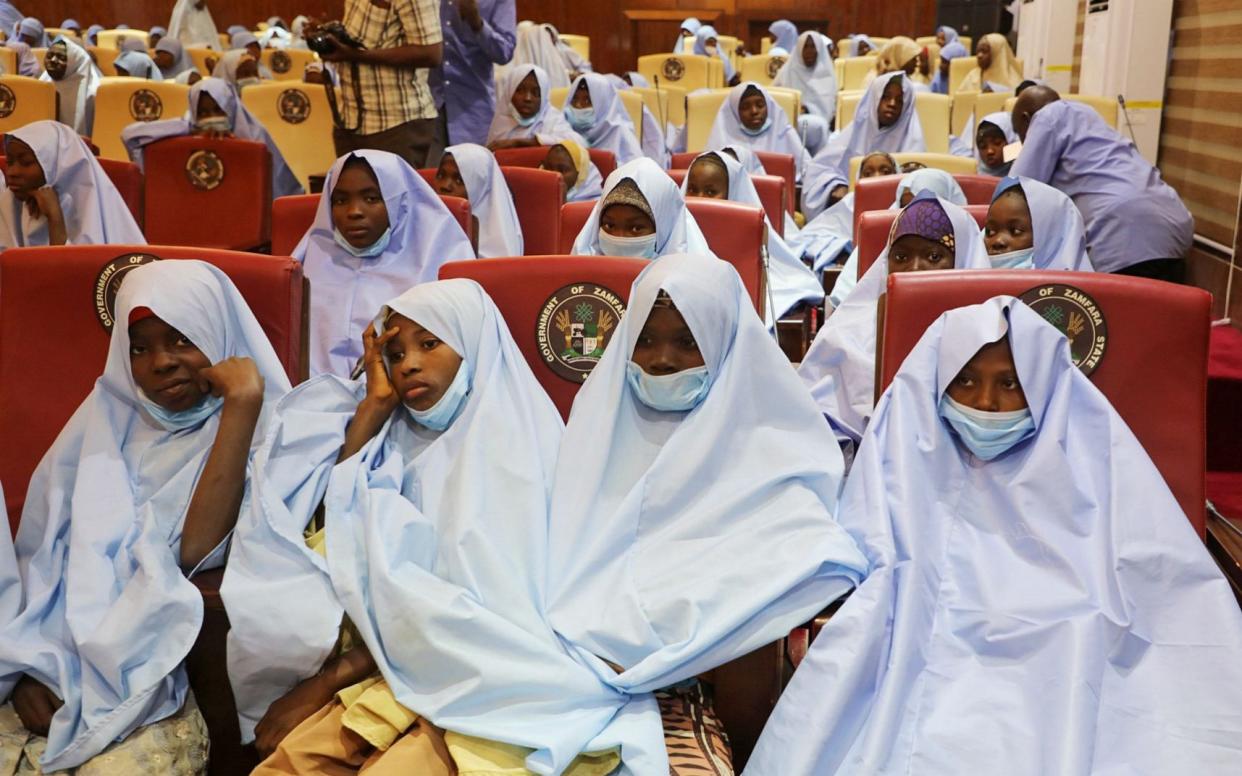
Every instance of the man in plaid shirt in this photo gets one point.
(389, 107)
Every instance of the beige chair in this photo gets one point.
(579, 43)
(963, 111)
(959, 68)
(226, 42)
(765, 44)
(934, 111)
(633, 105)
(55, 32)
(40, 54)
(298, 118)
(954, 165)
(685, 71)
(110, 39)
(729, 45)
(668, 103)
(23, 100)
(847, 106)
(199, 57)
(120, 102)
(926, 40)
(105, 59)
(287, 64)
(854, 71)
(761, 69)
(702, 108)
(8, 61)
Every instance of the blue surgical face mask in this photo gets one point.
(1023, 259)
(440, 415)
(677, 392)
(176, 421)
(987, 434)
(755, 132)
(643, 247)
(523, 121)
(366, 252)
(581, 119)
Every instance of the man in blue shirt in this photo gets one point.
(478, 35)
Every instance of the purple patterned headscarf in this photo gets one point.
(924, 218)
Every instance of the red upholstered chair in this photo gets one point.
(1154, 369)
(126, 176)
(57, 286)
(537, 196)
(212, 193)
(780, 165)
(532, 156)
(292, 218)
(735, 232)
(771, 191)
(873, 229)
(524, 290)
(878, 193)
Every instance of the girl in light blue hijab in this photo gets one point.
(138, 493)
(706, 44)
(784, 35)
(1031, 225)
(595, 111)
(1034, 589)
(691, 26)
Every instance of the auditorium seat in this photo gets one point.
(579, 43)
(771, 191)
(959, 68)
(878, 193)
(127, 177)
(1157, 338)
(685, 71)
(957, 165)
(199, 57)
(874, 226)
(735, 233)
(537, 197)
(298, 118)
(532, 156)
(110, 39)
(120, 102)
(32, 100)
(761, 69)
(524, 290)
(780, 165)
(211, 193)
(293, 216)
(666, 103)
(854, 71)
(8, 60)
(287, 64)
(934, 113)
(105, 58)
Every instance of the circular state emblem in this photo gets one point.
(281, 62)
(8, 101)
(774, 66)
(109, 280)
(293, 105)
(145, 105)
(575, 326)
(674, 69)
(1076, 314)
(204, 169)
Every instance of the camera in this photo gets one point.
(320, 42)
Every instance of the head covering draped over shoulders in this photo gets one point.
(784, 34)
(500, 232)
(676, 229)
(613, 129)
(181, 60)
(690, 25)
(548, 126)
(139, 65)
(193, 26)
(1056, 225)
(536, 47)
(76, 90)
(108, 632)
(817, 84)
(95, 213)
(1004, 72)
(590, 184)
(706, 33)
(349, 289)
(1000, 589)
(776, 136)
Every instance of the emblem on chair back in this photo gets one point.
(1077, 316)
(8, 101)
(281, 62)
(204, 169)
(774, 66)
(575, 326)
(109, 280)
(674, 69)
(293, 105)
(145, 105)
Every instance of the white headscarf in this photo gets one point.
(348, 289)
(181, 60)
(535, 47)
(193, 26)
(549, 126)
(76, 91)
(613, 129)
(1002, 121)
(706, 33)
(500, 232)
(139, 65)
(676, 229)
(109, 614)
(1056, 225)
(95, 213)
(777, 136)
(817, 84)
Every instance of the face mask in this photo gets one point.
(242, 83)
(759, 131)
(368, 252)
(581, 119)
(176, 421)
(677, 392)
(215, 123)
(711, 50)
(521, 120)
(987, 434)
(635, 247)
(441, 414)
(1023, 259)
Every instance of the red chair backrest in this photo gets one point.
(874, 226)
(126, 176)
(533, 156)
(879, 192)
(46, 370)
(235, 213)
(780, 165)
(531, 294)
(293, 216)
(537, 197)
(1154, 369)
(771, 191)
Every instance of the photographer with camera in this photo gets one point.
(382, 50)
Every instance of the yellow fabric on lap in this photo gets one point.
(479, 757)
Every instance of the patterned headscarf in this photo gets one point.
(924, 218)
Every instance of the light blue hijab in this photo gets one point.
(1056, 224)
(613, 129)
(676, 229)
(784, 35)
(1049, 611)
(705, 33)
(691, 25)
(856, 39)
(109, 630)
(865, 135)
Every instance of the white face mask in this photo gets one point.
(1022, 259)
(242, 83)
(643, 247)
(711, 50)
(215, 123)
